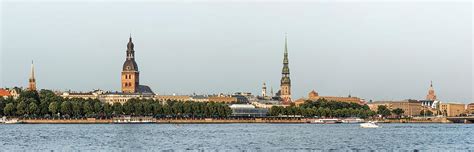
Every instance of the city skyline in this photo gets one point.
(99, 69)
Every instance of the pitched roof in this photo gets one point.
(4, 92)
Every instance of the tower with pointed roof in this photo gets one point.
(32, 80)
(264, 90)
(130, 73)
(285, 85)
(431, 93)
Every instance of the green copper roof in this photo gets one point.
(285, 80)
(286, 68)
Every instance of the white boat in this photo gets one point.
(369, 124)
(12, 121)
(4, 120)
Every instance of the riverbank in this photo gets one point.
(214, 120)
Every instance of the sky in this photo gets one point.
(376, 50)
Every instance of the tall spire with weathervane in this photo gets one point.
(285, 86)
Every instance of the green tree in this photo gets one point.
(9, 109)
(98, 108)
(29, 94)
(2, 105)
(77, 108)
(118, 108)
(66, 108)
(398, 112)
(108, 109)
(128, 107)
(157, 109)
(87, 108)
(53, 108)
(33, 109)
(147, 108)
(383, 110)
(275, 110)
(43, 107)
(21, 108)
(138, 108)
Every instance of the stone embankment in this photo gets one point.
(215, 120)
(168, 120)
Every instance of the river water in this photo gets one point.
(235, 137)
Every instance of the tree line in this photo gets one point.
(323, 108)
(46, 104)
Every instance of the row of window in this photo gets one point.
(128, 76)
(127, 84)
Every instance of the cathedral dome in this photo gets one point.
(130, 65)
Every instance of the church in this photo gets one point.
(285, 85)
(130, 74)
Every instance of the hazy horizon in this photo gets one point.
(372, 50)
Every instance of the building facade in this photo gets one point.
(470, 108)
(285, 84)
(313, 96)
(452, 109)
(181, 98)
(130, 74)
(410, 107)
(223, 99)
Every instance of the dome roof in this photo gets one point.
(130, 65)
(313, 94)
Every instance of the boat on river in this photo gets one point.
(370, 124)
(4, 120)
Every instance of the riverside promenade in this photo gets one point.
(215, 120)
(169, 120)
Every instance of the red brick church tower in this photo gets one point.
(130, 73)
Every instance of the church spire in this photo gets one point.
(32, 80)
(285, 58)
(285, 85)
(32, 72)
(130, 50)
